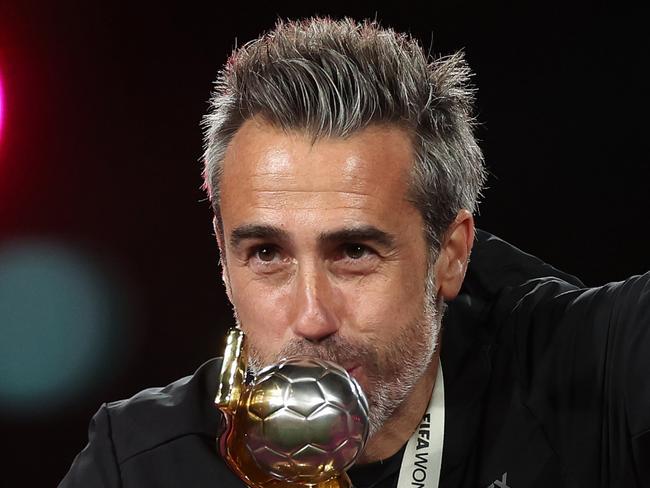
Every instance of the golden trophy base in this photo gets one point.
(234, 400)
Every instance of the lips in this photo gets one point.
(356, 373)
(351, 369)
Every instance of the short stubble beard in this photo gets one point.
(392, 371)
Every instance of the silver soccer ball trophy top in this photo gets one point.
(301, 422)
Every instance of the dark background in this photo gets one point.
(101, 145)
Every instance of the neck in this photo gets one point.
(397, 430)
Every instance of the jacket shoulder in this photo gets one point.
(156, 416)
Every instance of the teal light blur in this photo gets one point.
(59, 318)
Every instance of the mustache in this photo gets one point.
(337, 349)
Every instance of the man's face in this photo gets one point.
(325, 256)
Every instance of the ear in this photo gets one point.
(453, 258)
(218, 232)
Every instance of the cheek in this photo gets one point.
(383, 307)
(262, 314)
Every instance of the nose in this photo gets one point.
(314, 314)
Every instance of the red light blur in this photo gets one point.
(1, 106)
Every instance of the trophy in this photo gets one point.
(299, 423)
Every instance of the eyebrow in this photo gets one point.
(257, 231)
(348, 234)
(361, 233)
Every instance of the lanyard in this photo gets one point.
(423, 454)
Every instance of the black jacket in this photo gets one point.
(547, 383)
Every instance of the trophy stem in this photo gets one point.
(233, 373)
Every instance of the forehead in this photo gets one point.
(267, 169)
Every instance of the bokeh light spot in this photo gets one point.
(58, 321)
(2, 106)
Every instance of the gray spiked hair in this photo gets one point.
(332, 78)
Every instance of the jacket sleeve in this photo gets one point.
(631, 316)
(581, 360)
(96, 466)
(581, 356)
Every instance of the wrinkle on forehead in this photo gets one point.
(310, 199)
(366, 174)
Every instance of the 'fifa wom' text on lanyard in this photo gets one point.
(423, 455)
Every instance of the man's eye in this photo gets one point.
(266, 253)
(355, 251)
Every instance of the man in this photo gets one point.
(343, 174)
